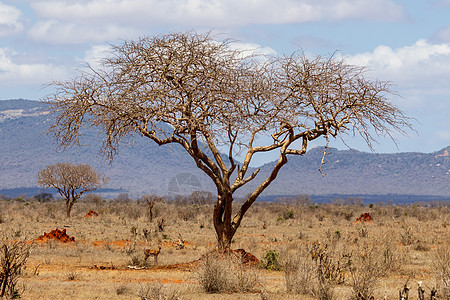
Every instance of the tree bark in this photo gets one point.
(4, 283)
(69, 205)
(224, 238)
(222, 219)
(150, 211)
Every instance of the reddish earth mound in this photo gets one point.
(246, 257)
(59, 235)
(365, 217)
(91, 213)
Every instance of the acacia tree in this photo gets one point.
(71, 181)
(213, 97)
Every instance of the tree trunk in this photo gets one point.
(224, 238)
(69, 205)
(3, 284)
(222, 217)
(150, 211)
(5, 276)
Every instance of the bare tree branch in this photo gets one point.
(71, 181)
(190, 89)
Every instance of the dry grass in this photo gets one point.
(442, 269)
(403, 244)
(226, 274)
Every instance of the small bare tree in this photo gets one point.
(201, 197)
(71, 181)
(204, 95)
(13, 257)
(151, 200)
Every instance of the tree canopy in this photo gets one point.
(71, 181)
(205, 95)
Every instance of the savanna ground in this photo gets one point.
(306, 251)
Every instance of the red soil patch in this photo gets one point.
(59, 235)
(120, 243)
(91, 213)
(179, 267)
(246, 257)
(99, 243)
(167, 281)
(117, 244)
(365, 217)
(103, 267)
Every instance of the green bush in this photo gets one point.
(288, 215)
(272, 262)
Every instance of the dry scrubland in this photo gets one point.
(305, 251)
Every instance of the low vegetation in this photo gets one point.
(13, 257)
(302, 249)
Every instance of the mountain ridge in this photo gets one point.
(147, 168)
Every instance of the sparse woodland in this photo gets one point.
(305, 250)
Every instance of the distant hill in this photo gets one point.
(144, 168)
(354, 172)
(147, 168)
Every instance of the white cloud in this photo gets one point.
(95, 55)
(62, 18)
(10, 20)
(228, 11)
(417, 66)
(13, 73)
(421, 73)
(248, 49)
(58, 32)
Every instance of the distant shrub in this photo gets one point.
(407, 237)
(188, 213)
(288, 214)
(93, 198)
(4, 198)
(43, 197)
(121, 290)
(271, 260)
(348, 214)
(123, 197)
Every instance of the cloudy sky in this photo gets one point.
(403, 41)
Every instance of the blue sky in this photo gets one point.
(406, 42)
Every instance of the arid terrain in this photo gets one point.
(305, 251)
